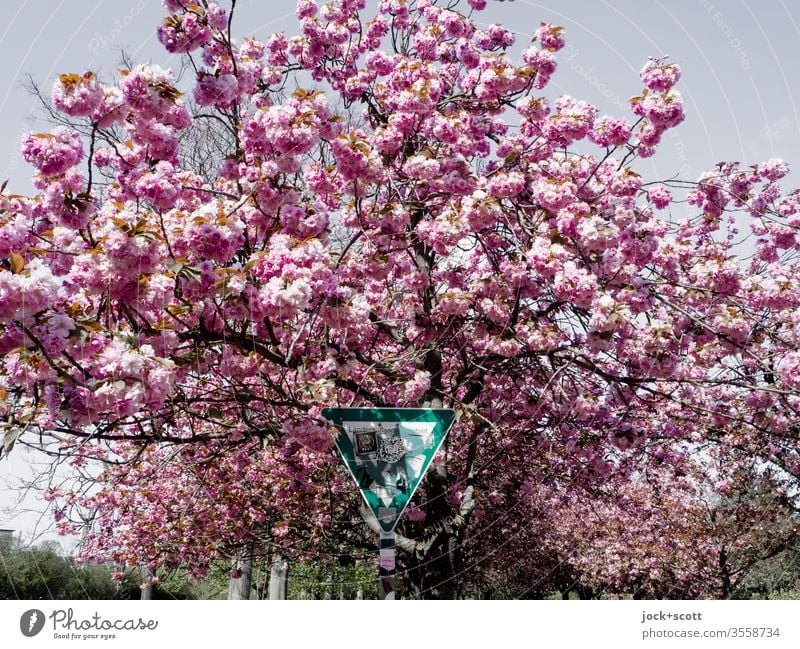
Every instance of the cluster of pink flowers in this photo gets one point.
(191, 26)
(53, 153)
(24, 294)
(220, 90)
(356, 159)
(551, 37)
(660, 197)
(443, 232)
(159, 186)
(572, 120)
(659, 75)
(660, 105)
(303, 221)
(77, 96)
(289, 278)
(610, 132)
(506, 185)
(288, 130)
(211, 234)
(66, 202)
(148, 91)
(575, 285)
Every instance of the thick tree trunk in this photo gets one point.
(278, 577)
(725, 571)
(432, 573)
(241, 578)
(433, 570)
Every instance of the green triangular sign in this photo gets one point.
(388, 451)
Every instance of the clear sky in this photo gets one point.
(741, 78)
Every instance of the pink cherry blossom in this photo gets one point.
(659, 75)
(221, 91)
(53, 153)
(77, 96)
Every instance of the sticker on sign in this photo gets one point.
(388, 451)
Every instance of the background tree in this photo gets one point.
(42, 573)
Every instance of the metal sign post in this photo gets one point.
(386, 563)
(388, 451)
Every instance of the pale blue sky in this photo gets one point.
(739, 59)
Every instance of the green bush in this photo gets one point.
(40, 573)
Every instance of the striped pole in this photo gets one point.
(386, 562)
